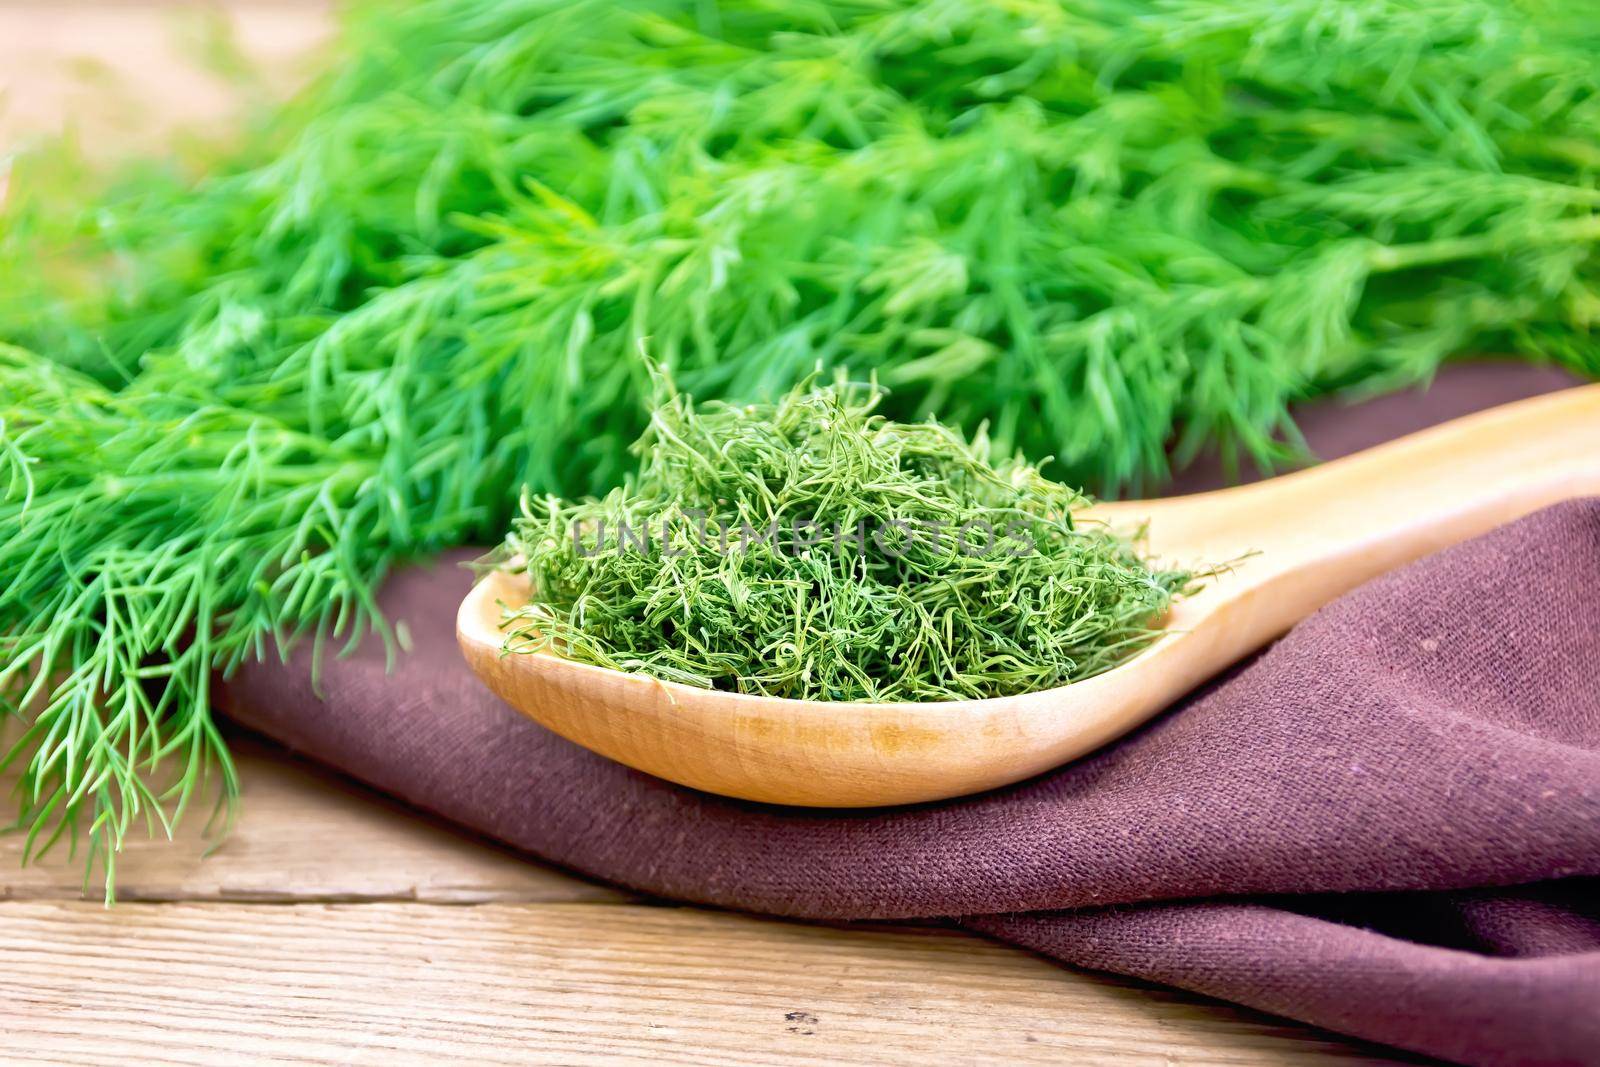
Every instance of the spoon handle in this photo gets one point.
(1320, 532)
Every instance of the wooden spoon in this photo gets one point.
(1316, 534)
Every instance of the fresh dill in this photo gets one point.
(1119, 231)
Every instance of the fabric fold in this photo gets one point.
(1388, 824)
(1390, 744)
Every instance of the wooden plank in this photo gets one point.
(705, 980)
(305, 834)
(626, 981)
(532, 983)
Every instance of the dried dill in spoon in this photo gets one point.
(813, 549)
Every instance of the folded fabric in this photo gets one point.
(1388, 824)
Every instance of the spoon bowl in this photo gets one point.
(1309, 537)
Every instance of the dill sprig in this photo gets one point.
(813, 549)
(155, 538)
(1124, 229)
(1117, 230)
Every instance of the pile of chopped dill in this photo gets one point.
(811, 548)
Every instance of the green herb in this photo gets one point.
(1118, 230)
(815, 550)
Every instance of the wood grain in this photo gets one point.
(537, 983)
(447, 945)
(306, 835)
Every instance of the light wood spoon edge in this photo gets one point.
(1316, 534)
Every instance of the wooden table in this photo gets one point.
(334, 925)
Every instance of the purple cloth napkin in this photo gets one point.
(1387, 825)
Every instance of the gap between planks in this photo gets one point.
(305, 835)
(242, 953)
(519, 983)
